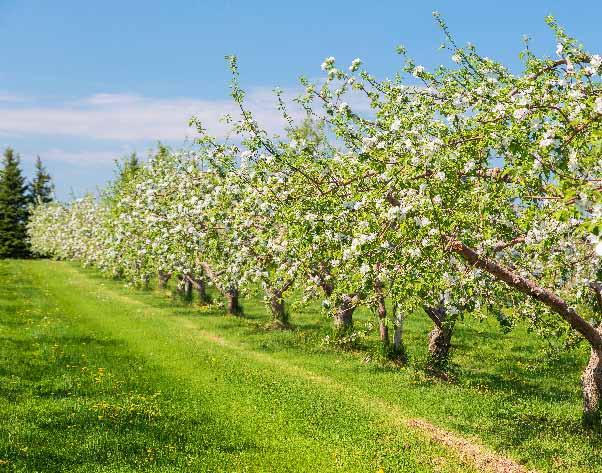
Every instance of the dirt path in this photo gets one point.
(481, 457)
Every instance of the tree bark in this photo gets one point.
(439, 338)
(233, 305)
(343, 317)
(200, 285)
(278, 308)
(398, 348)
(383, 331)
(439, 346)
(187, 289)
(145, 281)
(163, 279)
(326, 286)
(184, 287)
(591, 381)
(381, 311)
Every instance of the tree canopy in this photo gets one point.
(465, 191)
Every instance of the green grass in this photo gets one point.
(95, 376)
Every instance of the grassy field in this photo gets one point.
(95, 376)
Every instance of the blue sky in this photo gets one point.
(83, 83)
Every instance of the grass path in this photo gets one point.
(96, 377)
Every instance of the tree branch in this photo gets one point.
(528, 287)
(436, 315)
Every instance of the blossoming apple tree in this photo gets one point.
(469, 189)
(492, 182)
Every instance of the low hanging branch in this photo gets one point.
(436, 314)
(213, 275)
(528, 287)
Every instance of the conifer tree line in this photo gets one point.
(17, 196)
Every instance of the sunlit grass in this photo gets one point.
(95, 376)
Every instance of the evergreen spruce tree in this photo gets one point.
(41, 188)
(128, 166)
(13, 208)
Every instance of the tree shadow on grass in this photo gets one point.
(523, 382)
(74, 436)
(69, 411)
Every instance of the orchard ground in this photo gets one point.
(95, 376)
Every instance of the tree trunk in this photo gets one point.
(187, 289)
(327, 287)
(398, 348)
(201, 289)
(439, 338)
(439, 346)
(381, 310)
(145, 281)
(233, 305)
(278, 309)
(384, 333)
(184, 287)
(397, 337)
(343, 317)
(163, 279)
(591, 381)
(322, 273)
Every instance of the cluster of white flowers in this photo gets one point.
(418, 71)
(598, 105)
(328, 64)
(355, 65)
(520, 113)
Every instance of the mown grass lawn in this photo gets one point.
(95, 376)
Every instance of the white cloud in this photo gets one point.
(84, 157)
(112, 99)
(123, 117)
(100, 128)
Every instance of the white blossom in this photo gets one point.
(328, 63)
(355, 64)
(520, 113)
(559, 49)
(418, 70)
